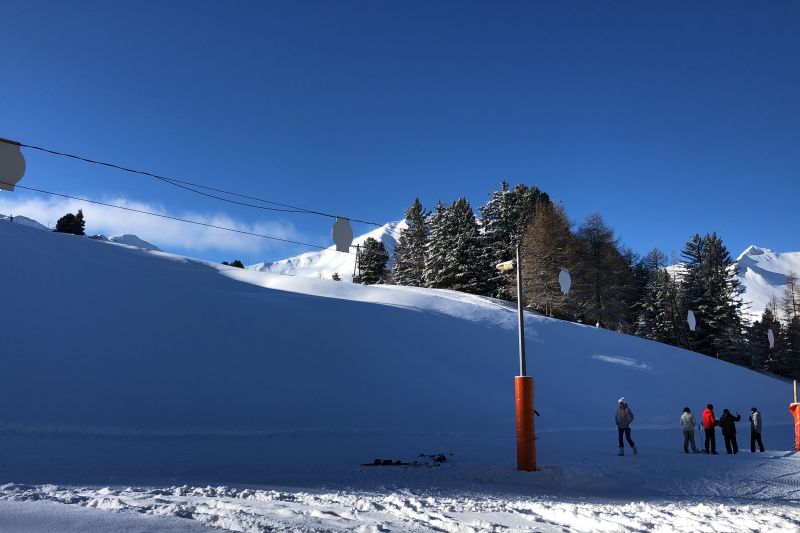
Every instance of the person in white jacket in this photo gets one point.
(688, 423)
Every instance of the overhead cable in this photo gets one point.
(150, 213)
(190, 186)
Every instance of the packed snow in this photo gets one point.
(154, 386)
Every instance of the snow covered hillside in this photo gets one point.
(762, 273)
(325, 263)
(123, 368)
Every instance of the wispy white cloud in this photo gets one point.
(166, 234)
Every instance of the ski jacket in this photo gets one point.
(727, 422)
(688, 422)
(755, 422)
(624, 417)
(708, 419)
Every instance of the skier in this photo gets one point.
(755, 431)
(687, 423)
(624, 418)
(709, 423)
(727, 422)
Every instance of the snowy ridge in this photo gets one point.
(763, 274)
(325, 263)
(25, 221)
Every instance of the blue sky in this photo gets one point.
(667, 118)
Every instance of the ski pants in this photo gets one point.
(627, 433)
(688, 436)
(711, 438)
(756, 437)
(730, 442)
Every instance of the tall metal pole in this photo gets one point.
(520, 316)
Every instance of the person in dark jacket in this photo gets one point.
(624, 419)
(727, 423)
(709, 425)
(755, 431)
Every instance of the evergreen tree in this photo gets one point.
(660, 318)
(336, 277)
(504, 220)
(235, 263)
(372, 263)
(409, 254)
(548, 245)
(762, 357)
(711, 290)
(70, 223)
(455, 257)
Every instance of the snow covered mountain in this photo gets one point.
(762, 274)
(25, 221)
(129, 240)
(325, 263)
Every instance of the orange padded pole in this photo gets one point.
(526, 434)
(795, 410)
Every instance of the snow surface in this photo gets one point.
(132, 379)
(325, 263)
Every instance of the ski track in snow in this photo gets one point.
(255, 510)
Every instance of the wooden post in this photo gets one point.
(795, 391)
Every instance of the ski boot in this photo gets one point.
(621, 451)
(635, 451)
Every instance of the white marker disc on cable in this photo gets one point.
(771, 338)
(12, 165)
(342, 234)
(564, 280)
(691, 320)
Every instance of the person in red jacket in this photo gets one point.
(709, 424)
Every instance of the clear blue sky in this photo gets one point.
(668, 118)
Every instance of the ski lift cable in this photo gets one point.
(169, 217)
(190, 186)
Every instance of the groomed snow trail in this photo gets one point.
(251, 510)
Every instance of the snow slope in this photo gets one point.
(125, 368)
(763, 273)
(325, 263)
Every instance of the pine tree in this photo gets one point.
(455, 257)
(762, 357)
(548, 245)
(372, 263)
(504, 219)
(659, 315)
(711, 290)
(336, 277)
(70, 223)
(409, 254)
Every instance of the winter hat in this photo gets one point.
(710, 406)
(685, 409)
(621, 400)
(725, 411)
(753, 409)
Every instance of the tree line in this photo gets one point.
(612, 286)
